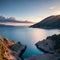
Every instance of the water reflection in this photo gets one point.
(38, 34)
(27, 36)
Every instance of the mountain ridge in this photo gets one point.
(49, 22)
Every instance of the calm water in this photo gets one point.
(28, 37)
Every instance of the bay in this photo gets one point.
(27, 36)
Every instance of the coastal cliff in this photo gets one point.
(50, 45)
(51, 48)
(10, 50)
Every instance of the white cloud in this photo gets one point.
(56, 12)
(51, 7)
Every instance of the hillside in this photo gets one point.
(49, 22)
(10, 50)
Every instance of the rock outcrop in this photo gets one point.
(10, 50)
(46, 46)
(51, 48)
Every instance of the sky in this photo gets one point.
(32, 10)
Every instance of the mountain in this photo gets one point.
(11, 20)
(49, 22)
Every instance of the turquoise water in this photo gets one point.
(28, 37)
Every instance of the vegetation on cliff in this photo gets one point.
(2, 51)
(56, 38)
(10, 50)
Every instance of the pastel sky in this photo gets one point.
(33, 10)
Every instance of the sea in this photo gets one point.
(27, 36)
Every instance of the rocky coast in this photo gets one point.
(10, 50)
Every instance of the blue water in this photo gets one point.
(27, 36)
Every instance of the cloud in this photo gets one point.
(56, 12)
(51, 7)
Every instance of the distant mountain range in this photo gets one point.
(3, 25)
(12, 20)
(49, 22)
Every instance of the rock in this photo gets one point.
(43, 57)
(11, 50)
(17, 49)
(46, 46)
(50, 46)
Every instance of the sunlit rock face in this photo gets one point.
(10, 50)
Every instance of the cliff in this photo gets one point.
(51, 48)
(49, 22)
(10, 50)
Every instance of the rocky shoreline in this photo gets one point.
(47, 46)
(10, 50)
